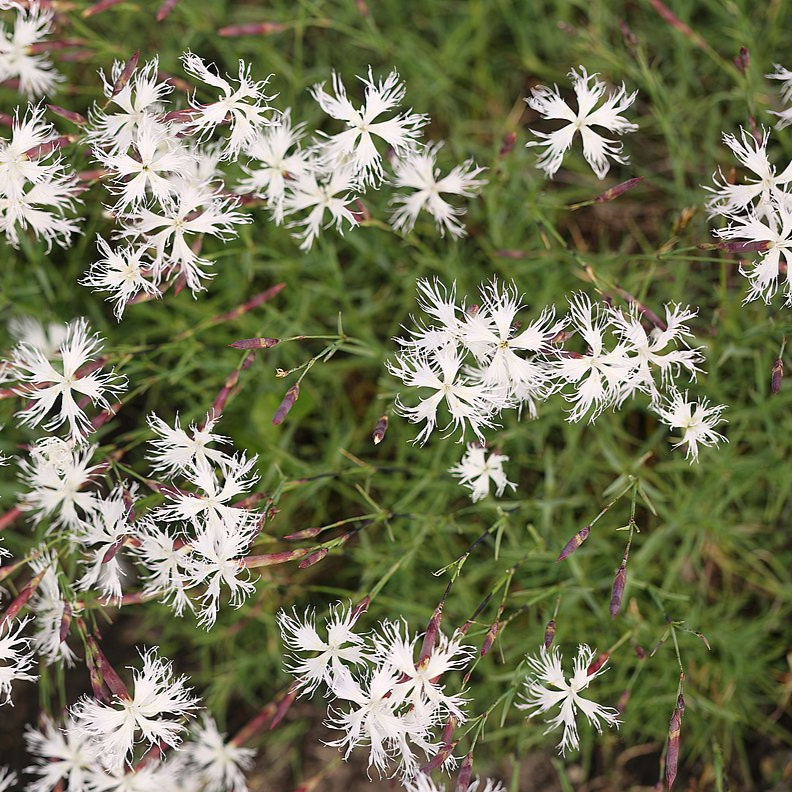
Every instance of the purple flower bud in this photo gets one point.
(574, 543)
(549, 634)
(379, 430)
(285, 406)
(776, 376)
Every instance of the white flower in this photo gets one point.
(44, 385)
(275, 161)
(596, 148)
(473, 404)
(419, 685)
(156, 707)
(123, 273)
(547, 687)
(213, 504)
(154, 776)
(785, 76)
(60, 754)
(218, 550)
(600, 375)
(768, 188)
(219, 765)
(342, 645)
(356, 145)
(176, 451)
(56, 474)
(8, 778)
(196, 208)
(30, 331)
(165, 559)
(143, 173)
(373, 719)
(35, 72)
(102, 534)
(421, 782)
(776, 232)
(440, 303)
(245, 107)
(648, 350)
(477, 469)
(507, 357)
(141, 97)
(15, 657)
(50, 609)
(417, 170)
(36, 188)
(696, 419)
(320, 192)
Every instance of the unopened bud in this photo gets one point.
(126, 73)
(640, 652)
(597, 664)
(743, 60)
(65, 624)
(313, 558)
(508, 144)
(285, 406)
(465, 771)
(163, 12)
(253, 29)
(22, 598)
(621, 704)
(776, 376)
(614, 192)
(378, 435)
(255, 343)
(549, 634)
(672, 752)
(69, 115)
(97, 8)
(360, 608)
(489, 638)
(574, 543)
(430, 637)
(617, 593)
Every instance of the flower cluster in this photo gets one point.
(482, 360)
(164, 166)
(69, 756)
(381, 695)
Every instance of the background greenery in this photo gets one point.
(716, 555)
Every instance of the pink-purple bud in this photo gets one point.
(598, 663)
(508, 144)
(255, 343)
(313, 558)
(743, 60)
(465, 771)
(126, 72)
(489, 638)
(430, 637)
(22, 598)
(65, 624)
(549, 634)
(617, 592)
(776, 376)
(253, 29)
(285, 406)
(379, 430)
(69, 115)
(672, 752)
(163, 12)
(614, 192)
(574, 543)
(284, 707)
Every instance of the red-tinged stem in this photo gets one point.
(270, 559)
(9, 517)
(253, 29)
(253, 302)
(165, 9)
(22, 598)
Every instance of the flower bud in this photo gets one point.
(619, 189)
(574, 543)
(508, 144)
(598, 663)
(253, 29)
(465, 771)
(285, 406)
(379, 430)
(313, 558)
(489, 638)
(617, 593)
(430, 637)
(743, 60)
(672, 752)
(549, 633)
(776, 376)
